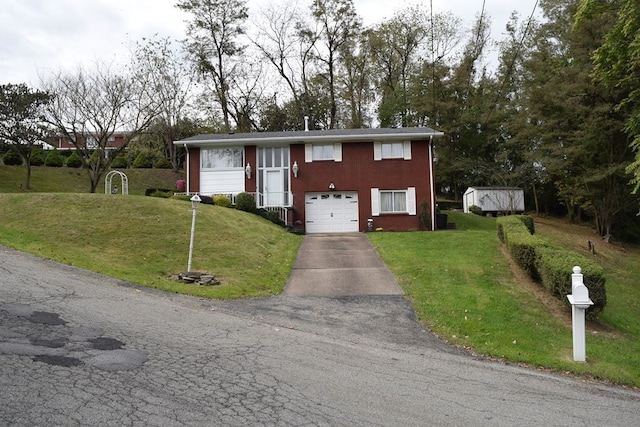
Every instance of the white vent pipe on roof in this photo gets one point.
(306, 123)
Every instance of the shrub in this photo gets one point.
(163, 163)
(54, 159)
(12, 158)
(120, 162)
(246, 202)
(549, 264)
(528, 222)
(74, 160)
(37, 157)
(221, 200)
(554, 267)
(155, 191)
(476, 210)
(425, 216)
(142, 162)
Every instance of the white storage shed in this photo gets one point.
(494, 199)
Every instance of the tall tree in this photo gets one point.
(582, 145)
(214, 30)
(171, 83)
(617, 63)
(22, 120)
(90, 106)
(338, 24)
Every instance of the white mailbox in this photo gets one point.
(579, 299)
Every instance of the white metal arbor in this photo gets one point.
(123, 180)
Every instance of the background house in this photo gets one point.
(493, 200)
(345, 180)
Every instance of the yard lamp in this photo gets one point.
(195, 201)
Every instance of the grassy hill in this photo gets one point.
(69, 180)
(146, 240)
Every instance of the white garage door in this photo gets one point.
(333, 212)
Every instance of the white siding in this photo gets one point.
(222, 182)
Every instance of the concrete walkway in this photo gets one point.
(339, 265)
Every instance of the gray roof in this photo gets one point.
(293, 137)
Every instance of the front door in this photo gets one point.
(274, 191)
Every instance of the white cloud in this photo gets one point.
(41, 36)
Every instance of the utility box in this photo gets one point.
(494, 200)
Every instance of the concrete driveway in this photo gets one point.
(339, 265)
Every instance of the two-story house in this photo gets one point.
(331, 181)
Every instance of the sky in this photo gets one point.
(39, 37)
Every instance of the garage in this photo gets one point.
(331, 212)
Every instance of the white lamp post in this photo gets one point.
(195, 201)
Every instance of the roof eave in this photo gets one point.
(297, 139)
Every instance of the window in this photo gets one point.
(392, 150)
(221, 158)
(323, 152)
(393, 201)
(313, 152)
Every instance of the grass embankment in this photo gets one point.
(70, 180)
(145, 240)
(463, 287)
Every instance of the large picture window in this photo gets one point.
(221, 158)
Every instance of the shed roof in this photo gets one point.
(333, 135)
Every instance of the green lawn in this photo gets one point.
(462, 287)
(146, 240)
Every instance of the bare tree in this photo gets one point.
(170, 84)
(213, 41)
(89, 107)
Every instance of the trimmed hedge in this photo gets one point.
(246, 202)
(222, 200)
(549, 264)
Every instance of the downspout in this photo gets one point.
(431, 185)
(188, 168)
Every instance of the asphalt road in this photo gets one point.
(78, 348)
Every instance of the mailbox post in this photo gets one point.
(579, 299)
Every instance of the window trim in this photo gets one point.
(233, 168)
(377, 150)
(410, 202)
(337, 153)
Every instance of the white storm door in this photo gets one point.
(274, 191)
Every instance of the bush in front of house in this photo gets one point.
(54, 159)
(142, 162)
(246, 202)
(549, 264)
(12, 158)
(120, 162)
(37, 157)
(476, 210)
(162, 163)
(222, 200)
(74, 160)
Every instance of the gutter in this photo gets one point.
(431, 185)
